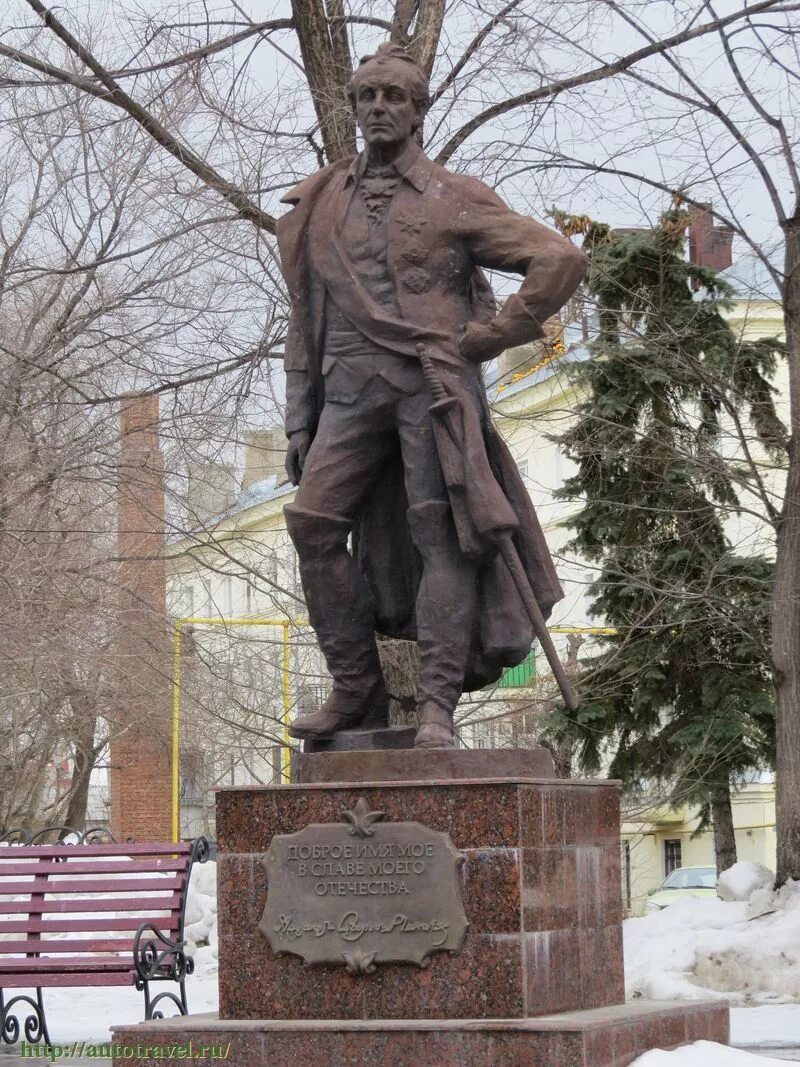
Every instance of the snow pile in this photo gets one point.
(200, 923)
(703, 1054)
(741, 880)
(743, 951)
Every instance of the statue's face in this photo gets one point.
(385, 110)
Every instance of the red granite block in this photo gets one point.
(589, 886)
(670, 1031)
(709, 1022)
(602, 977)
(241, 893)
(553, 971)
(612, 883)
(549, 888)
(544, 818)
(630, 1039)
(476, 815)
(599, 1048)
(491, 890)
(484, 981)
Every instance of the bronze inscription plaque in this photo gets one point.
(363, 892)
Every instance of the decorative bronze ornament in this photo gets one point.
(414, 252)
(416, 280)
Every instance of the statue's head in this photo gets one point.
(389, 94)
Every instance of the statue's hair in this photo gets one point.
(386, 52)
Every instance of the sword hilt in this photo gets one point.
(434, 383)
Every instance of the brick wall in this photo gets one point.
(140, 745)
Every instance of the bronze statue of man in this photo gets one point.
(382, 254)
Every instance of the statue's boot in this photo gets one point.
(435, 727)
(340, 611)
(446, 604)
(343, 711)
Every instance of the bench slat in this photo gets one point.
(39, 907)
(99, 866)
(64, 964)
(79, 926)
(156, 848)
(91, 944)
(116, 885)
(54, 981)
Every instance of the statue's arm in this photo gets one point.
(300, 415)
(501, 239)
(300, 412)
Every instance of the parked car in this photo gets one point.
(683, 882)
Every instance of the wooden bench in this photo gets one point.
(92, 915)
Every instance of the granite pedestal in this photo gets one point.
(540, 978)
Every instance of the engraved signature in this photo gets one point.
(351, 928)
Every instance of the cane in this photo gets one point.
(440, 409)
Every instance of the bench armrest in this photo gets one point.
(156, 956)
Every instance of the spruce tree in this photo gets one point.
(681, 695)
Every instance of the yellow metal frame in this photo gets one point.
(192, 620)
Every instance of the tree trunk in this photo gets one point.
(323, 46)
(785, 609)
(724, 836)
(84, 759)
(400, 665)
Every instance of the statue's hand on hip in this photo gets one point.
(479, 343)
(299, 444)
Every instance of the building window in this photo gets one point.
(187, 602)
(208, 599)
(672, 857)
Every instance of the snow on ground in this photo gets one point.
(704, 1054)
(766, 1026)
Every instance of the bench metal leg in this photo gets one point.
(35, 1025)
(151, 1011)
(159, 959)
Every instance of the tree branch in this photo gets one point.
(117, 95)
(606, 70)
(472, 48)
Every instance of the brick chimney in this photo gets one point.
(709, 245)
(264, 456)
(140, 746)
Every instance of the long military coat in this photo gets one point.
(442, 228)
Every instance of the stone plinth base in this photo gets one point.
(360, 740)
(540, 885)
(408, 764)
(604, 1037)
